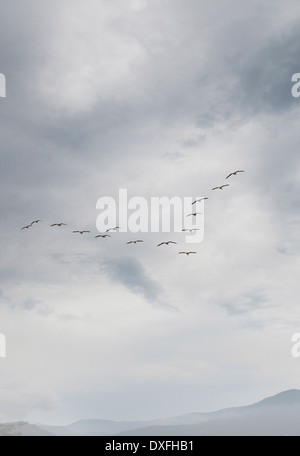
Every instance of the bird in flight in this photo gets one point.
(135, 242)
(221, 187)
(59, 224)
(166, 243)
(186, 253)
(35, 221)
(102, 236)
(199, 200)
(81, 232)
(113, 229)
(191, 230)
(194, 214)
(235, 173)
(26, 227)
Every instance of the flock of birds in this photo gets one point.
(116, 228)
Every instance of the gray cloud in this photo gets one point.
(18, 399)
(130, 272)
(246, 303)
(26, 305)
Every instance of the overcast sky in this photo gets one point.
(163, 98)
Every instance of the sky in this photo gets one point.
(162, 98)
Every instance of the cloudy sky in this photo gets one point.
(162, 98)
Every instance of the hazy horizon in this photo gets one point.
(83, 419)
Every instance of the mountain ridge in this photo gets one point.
(189, 422)
(274, 415)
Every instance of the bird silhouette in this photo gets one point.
(81, 232)
(135, 242)
(102, 236)
(186, 253)
(166, 243)
(191, 230)
(199, 200)
(35, 221)
(26, 227)
(235, 173)
(113, 229)
(194, 214)
(221, 187)
(59, 224)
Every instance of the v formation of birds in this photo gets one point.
(138, 241)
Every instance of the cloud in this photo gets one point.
(130, 272)
(26, 305)
(18, 400)
(162, 99)
(245, 303)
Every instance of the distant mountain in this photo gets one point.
(289, 397)
(276, 415)
(22, 429)
(94, 427)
